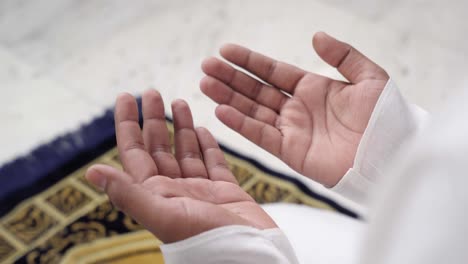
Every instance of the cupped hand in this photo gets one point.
(312, 122)
(173, 196)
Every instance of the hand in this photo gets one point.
(173, 197)
(311, 122)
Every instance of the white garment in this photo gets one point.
(419, 211)
(319, 236)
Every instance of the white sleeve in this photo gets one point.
(419, 215)
(392, 122)
(232, 244)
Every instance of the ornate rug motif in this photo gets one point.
(73, 222)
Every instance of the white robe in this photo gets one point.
(411, 175)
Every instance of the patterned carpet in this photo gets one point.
(72, 222)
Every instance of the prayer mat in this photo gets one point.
(49, 213)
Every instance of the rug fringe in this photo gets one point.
(46, 164)
(25, 170)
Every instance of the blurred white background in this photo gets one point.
(62, 62)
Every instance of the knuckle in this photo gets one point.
(190, 155)
(117, 199)
(253, 110)
(138, 144)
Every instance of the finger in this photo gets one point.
(135, 159)
(222, 94)
(216, 164)
(262, 134)
(242, 83)
(352, 64)
(186, 143)
(156, 134)
(276, 73)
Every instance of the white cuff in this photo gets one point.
(392, 122)
(232, 244)
(354, 186)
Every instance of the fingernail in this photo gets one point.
(101, 184)
(97, 179)
(201, 129)
(177, 102)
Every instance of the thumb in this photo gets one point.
(134, 200)
(352, 64)
(114, 182)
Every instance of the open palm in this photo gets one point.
(174, 197)
(311, 122)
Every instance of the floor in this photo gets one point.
(62, 62)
